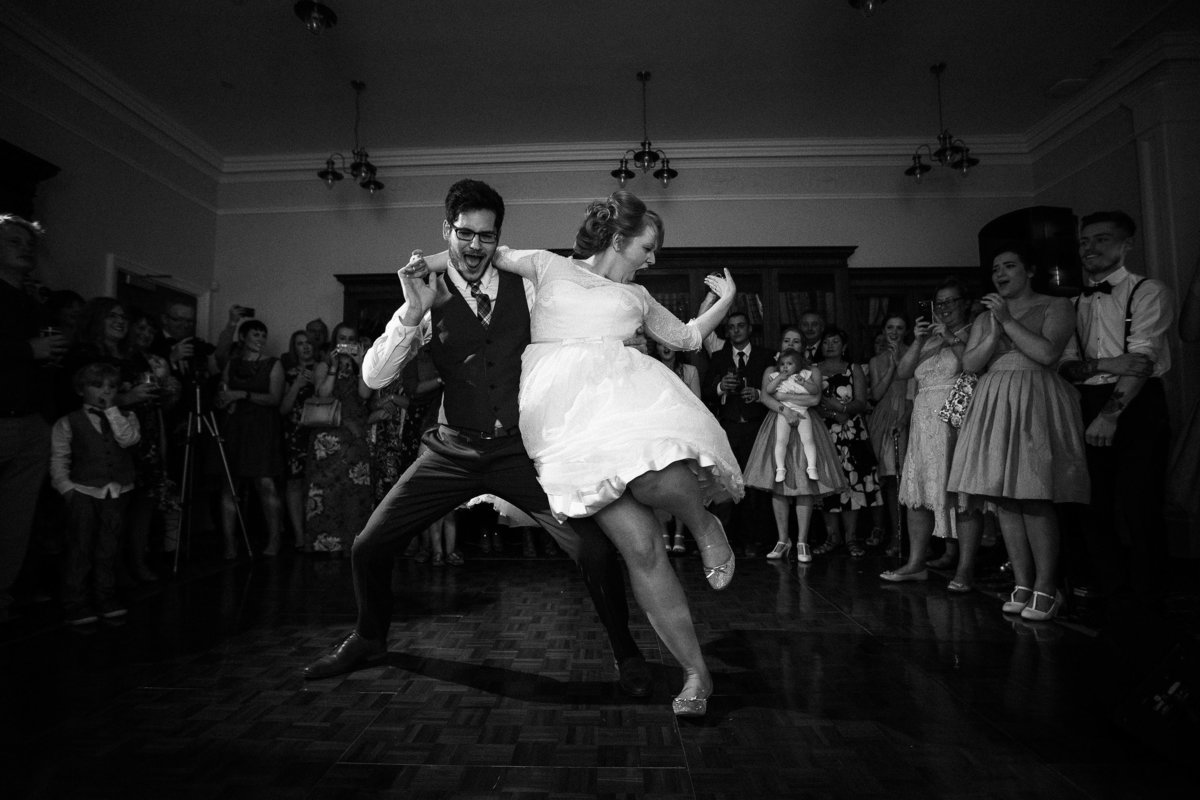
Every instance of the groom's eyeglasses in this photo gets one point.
(466, 235)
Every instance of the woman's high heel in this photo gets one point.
(1015, 606)
(781, 550)
(803, 553)
(1032, 612)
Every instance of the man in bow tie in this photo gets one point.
(475, 322)
(1122, 320)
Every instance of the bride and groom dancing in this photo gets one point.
(532, 351)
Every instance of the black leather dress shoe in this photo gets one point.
(353, 653)
(633, 676)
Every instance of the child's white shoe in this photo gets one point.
(780, 474)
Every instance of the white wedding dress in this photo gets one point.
(595, 414)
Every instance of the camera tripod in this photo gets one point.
(200, 421)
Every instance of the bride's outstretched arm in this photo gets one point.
(725, 290)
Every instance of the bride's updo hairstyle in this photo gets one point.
(621, 213)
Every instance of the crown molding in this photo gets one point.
(1111, 88)
(573, 157)
(20, 34)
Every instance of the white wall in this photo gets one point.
(281, 238)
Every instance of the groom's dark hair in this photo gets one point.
(473, 195)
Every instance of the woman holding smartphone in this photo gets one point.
(934, 361)
(339, 460)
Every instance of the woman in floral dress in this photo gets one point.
(298, 379)
(340, 495)
(843, 402)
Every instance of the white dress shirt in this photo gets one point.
(1100, 320)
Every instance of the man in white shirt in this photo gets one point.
(1122, 321)
(476, 325)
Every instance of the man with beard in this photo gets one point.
(1122, 320)
(476, 323)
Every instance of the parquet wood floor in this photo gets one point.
(499, 684)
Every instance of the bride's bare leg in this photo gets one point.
(676, 489)
(633, 528)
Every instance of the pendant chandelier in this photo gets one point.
(361, 168)
(950, 152)
(647, 157)
(315, 16)
(867, 7)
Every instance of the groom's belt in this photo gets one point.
(482, 436)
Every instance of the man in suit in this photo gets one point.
(476, 323)
(731, 390)
(812, 328)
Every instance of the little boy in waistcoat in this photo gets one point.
(92, 467)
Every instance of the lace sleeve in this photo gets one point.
(663, 326)
(530, 264)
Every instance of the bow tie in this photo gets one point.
(1104, 287)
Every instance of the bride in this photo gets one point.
(613, 433)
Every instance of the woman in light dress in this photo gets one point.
(615, 434)
(934, 362)
(1021, 445)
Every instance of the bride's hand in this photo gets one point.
(416, 266)
(722, 287)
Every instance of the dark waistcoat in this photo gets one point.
(97, 460)
(481, 367)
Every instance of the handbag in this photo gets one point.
(954, 410)
(321, 412)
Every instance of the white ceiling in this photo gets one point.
(246, 78)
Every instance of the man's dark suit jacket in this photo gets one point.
(733, 410)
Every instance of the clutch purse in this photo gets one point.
(954, 410)
(321, 412)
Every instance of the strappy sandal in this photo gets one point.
(876, 538)
(856, 550)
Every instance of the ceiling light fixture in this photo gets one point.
(315, 16)
(361, 168)
(647, 157)
(867, 7)
(950, 152)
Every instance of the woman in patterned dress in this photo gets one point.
(299, 381)
(843, 403)
(340, 495)
(934, 361)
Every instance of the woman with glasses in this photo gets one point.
(934, 362)
(1020, 450)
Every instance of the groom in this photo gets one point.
(476, 323)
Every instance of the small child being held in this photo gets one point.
(92, 467)
(792, 377)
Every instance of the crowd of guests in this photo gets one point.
(1045, 413)
(108, 408)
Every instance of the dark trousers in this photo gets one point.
(745, 521)
(451, 469)
(93, 541)
(24, 462)
(1121, 545)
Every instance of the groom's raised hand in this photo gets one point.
(419, 287)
